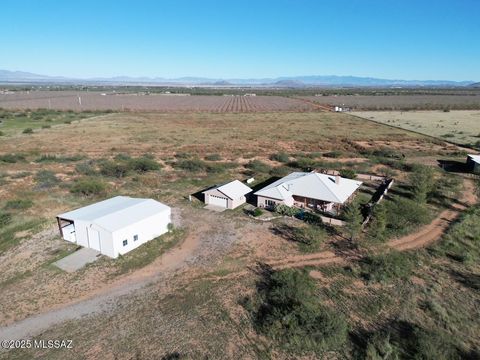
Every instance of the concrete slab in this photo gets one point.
(77, 260)
(215, 208)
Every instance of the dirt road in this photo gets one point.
(194, 244)
(425, 236)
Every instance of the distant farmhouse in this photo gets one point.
(115, 226)
(473, 163)
(327, 193)
(228, 196)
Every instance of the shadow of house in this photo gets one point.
(199, 195)
(251, 198)
(454, 166)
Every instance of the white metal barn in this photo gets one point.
(115, 226)
(228, 196)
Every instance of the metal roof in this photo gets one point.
(234, 189)
(312, 185)
(116, 213)
(475, 158)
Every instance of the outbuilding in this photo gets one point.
(115, 226)
(228, 196)
(473, 163)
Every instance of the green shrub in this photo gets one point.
(46, 179)
(88, 187)
(12, 158)
(291, 314)
(333, 154)
(380, 347)
(122, 157)
(280, 157)
(462, 241)
(403, 215)
(143, 164)
(183, 155)
(309, 238)
(192, 165)
(378, 223)
(257, 166)
(257, 212)
(46, 126)
(86, 168)
(348, 173)
(47, 158)
(5, 218)
(213, 157)
(220, 167)
(280, 171)
(27, 131)
(19, 204)
(68, 122)
(353, 220)
(286, 210)
(303, 163)
(387, 267)
(114, 169)
(422, 182)
(2, 133)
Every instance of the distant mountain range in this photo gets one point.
(22, 77)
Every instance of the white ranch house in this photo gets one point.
(309, 190)
(228, 196)
(115, 226)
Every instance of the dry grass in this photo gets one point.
(461, 126)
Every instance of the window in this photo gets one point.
(135, 237)
(125, 242)
(270, 203)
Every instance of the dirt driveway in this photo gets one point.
(207, 239)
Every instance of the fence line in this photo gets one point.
(386, 186)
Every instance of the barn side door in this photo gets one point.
(93, 238)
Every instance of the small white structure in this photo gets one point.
(115, 226)
(473, 162)
(228, 196)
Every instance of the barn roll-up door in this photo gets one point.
(218, 201)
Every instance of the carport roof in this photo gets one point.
(116, 213)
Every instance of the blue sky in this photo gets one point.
(401, 39)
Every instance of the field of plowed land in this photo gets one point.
(97, 101)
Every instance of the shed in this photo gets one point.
(115, 226)
(228, 196)
(473, 163)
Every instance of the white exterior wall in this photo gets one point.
(81, 232)
(82, 237)
(261, 201)
(232, 204)
(146, 229)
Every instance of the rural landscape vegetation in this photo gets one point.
(389, 272)
(227, 284)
